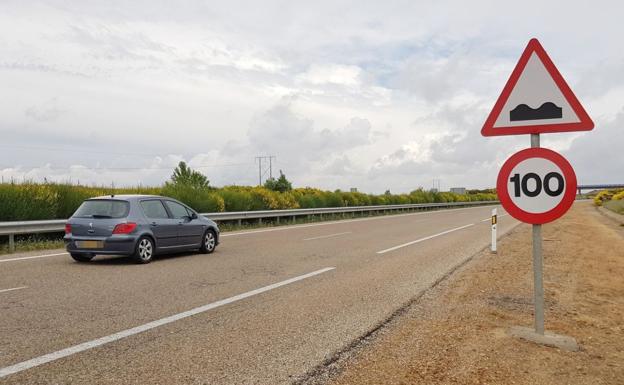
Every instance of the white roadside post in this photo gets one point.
(494, 221)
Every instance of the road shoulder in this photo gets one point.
(457, 332)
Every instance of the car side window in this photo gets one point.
(177, 210)
(154, 209)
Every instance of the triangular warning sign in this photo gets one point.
(536, 99)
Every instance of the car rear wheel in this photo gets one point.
(144, 250)
(82, 257)
(209, 243)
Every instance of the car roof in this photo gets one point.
(129, 197)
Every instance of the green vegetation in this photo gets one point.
(184, 175)
(31, 201)
(611, 199)
(30, 242)
(281, 184)
(616, 206)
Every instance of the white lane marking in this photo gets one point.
(281, 228)
(424, 239)
(15, 288)
(37, 361)
(327, 236)
(32, 257)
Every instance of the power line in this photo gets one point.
(125, 168)
(73, 150)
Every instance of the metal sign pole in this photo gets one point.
(538, 283)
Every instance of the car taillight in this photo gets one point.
(67, 228)
(124, 228)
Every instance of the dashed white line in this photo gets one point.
(424, 239)
(327, 236)
(37, 361)
(14, 288)
(32, 257)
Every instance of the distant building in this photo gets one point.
(353, 189)
(434, 190)
(458, 190)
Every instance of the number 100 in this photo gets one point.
(522, 184)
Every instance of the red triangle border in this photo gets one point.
(585, 123)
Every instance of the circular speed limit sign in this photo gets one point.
(536, 185)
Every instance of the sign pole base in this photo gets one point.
(547, 338)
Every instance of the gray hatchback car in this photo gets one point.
(137, 225)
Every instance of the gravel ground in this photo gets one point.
(457, 333)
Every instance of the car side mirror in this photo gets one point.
(194, 216)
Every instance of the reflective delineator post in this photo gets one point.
(494, 221)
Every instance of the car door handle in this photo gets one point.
(180, 223)
(154, 224)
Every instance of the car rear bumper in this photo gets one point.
(113, 245)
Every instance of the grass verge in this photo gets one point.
(615, 206)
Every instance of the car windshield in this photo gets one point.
(102, 208)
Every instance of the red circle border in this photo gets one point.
(536, 218)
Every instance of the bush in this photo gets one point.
(603, 196)
(29, 201)
(619, 196)
(200, 199)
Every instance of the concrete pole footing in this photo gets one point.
(548, 339)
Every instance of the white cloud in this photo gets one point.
(345, 75)
(371, 95)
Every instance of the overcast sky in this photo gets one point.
(374, 95)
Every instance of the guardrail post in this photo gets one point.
(11, 243)
(278, 220)
(259, 221)
(294, 219)
(240, 222)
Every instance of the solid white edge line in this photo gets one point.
(327, 236)
(33, 257)
(37, 361)
(424, 239)
(294, 227)
(14, 288)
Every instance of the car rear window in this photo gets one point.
(103, 208)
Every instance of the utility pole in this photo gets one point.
(262, 171)
(259, 159)
(271, 167)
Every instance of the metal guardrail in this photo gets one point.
(57, 225)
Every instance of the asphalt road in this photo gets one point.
(266, 308)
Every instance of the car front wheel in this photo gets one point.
(209, 242)
(144, 250)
